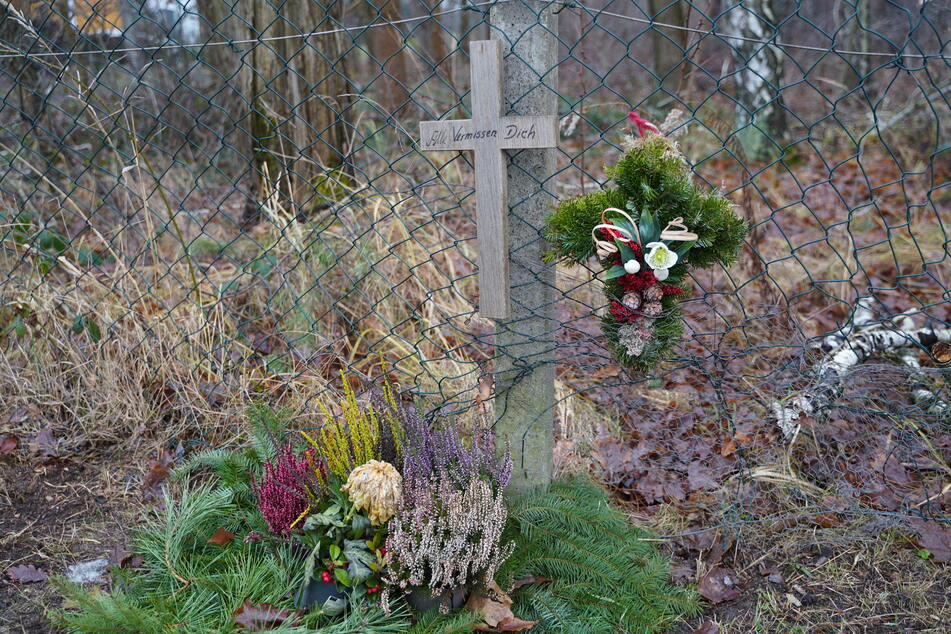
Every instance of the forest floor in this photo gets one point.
(858, 573)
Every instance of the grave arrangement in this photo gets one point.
(381, 520)
(646, 233)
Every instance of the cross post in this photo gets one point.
(486, 134)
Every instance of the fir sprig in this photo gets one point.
(190, 586)
(605, 577)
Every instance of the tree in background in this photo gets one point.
(757, 72)
(287, 99)
(854, 34)
(387, 47)
(669, 44)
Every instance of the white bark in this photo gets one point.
(848, 347)
(758, 74)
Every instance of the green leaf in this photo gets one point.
(93, 328)
(626, 252)
(683, 247)
(342, 576)
(310, 563)
(360, 558)
(322, 519)
(52, 242)
(334, 606)
(648, 227)
(359, 524)
(334, 551)
(614, 272)
(18, 327)
(78, 324)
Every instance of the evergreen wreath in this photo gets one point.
(646, 232)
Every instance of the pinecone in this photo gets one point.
(644, 326)
(652, 309)
(653, 293)
(631, 300)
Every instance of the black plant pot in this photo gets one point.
(316, 592)
(422, 599)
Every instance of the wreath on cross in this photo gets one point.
(646, 232)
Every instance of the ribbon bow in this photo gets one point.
(605, 247)
(680, 235)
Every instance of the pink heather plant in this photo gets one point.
(282, 493)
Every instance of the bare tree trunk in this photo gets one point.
(669, 44)
(758, 71)
(855, 37)
(388, 50)
(294, 96)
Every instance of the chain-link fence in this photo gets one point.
(207, 202)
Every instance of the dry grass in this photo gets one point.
(198, 316)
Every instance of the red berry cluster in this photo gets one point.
(622, 313)
(373, 589)
(325, 577)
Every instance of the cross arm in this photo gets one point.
(446, 135)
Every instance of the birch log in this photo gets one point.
(851, 346)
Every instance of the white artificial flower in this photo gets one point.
(660, 259)
(632, 266)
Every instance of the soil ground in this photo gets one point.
(53, 513)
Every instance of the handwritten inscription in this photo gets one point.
(463, 133)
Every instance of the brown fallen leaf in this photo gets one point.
(221, 537)
(485, 390)
(772, 573)
(722, 543)
(941, 352)
(718, 585)
(119, 557)
(496, 611)
(529, 579)
(259, 617)
(707, 627)
(158, 469)
(935, 538)
(508, 624)
(9, 443)
(679, 573)
(26, 574)
(45, 444)
(726, 450)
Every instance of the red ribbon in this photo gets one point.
(641, 123)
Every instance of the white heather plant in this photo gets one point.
(445, 538)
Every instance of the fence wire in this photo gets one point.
(210, 202)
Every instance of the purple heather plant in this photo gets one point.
(445, 537)
(282, 491)
(429, 450)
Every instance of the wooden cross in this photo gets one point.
(487, 133)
